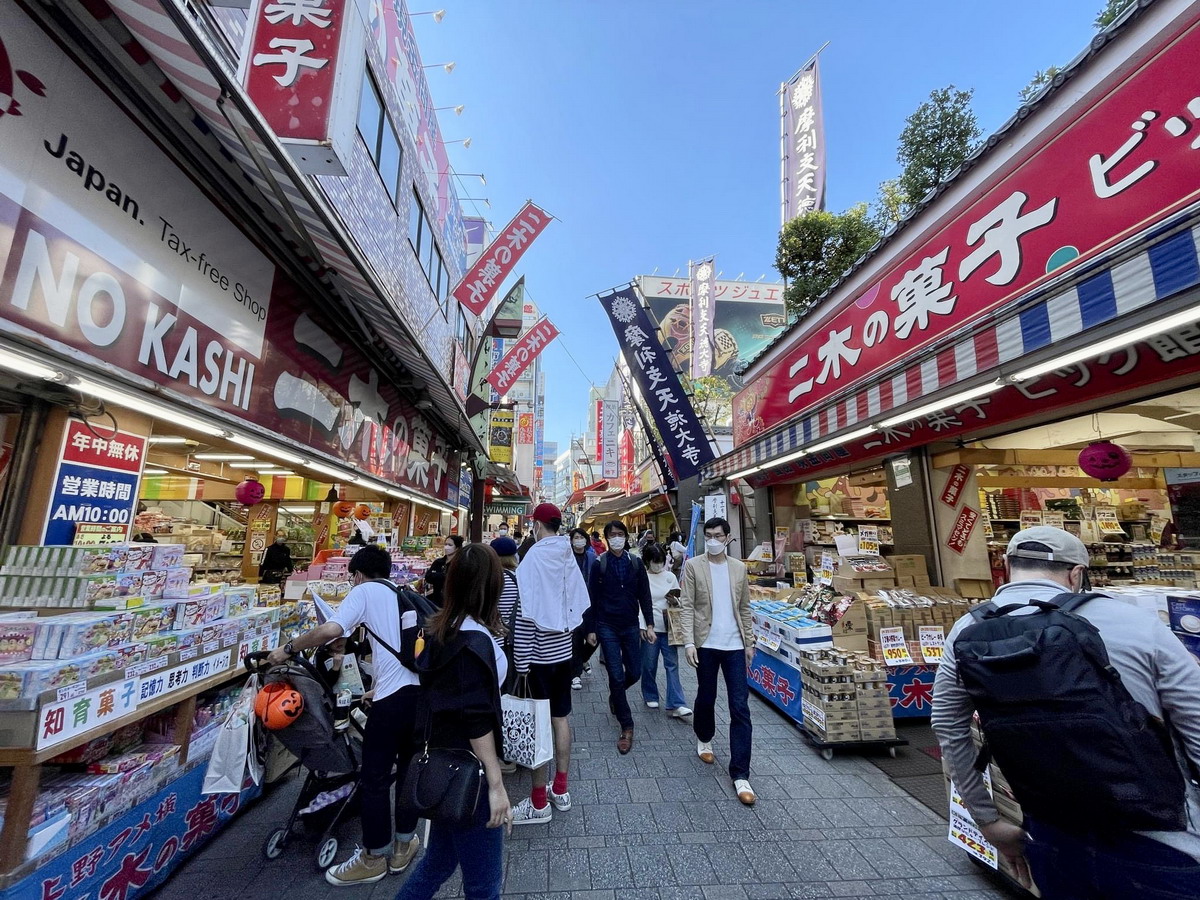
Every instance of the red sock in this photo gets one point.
(560, 782)
(539, 798)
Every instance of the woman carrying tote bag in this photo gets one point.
(462, 667)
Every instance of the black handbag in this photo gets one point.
(444, 785)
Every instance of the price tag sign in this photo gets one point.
(895, 648)
(1030, 518)
(1106, 518)
(825, 573)
(813, 713)
(763, 636)
(966, 834)
(868, 540)
(1054, 518)
(933, 641)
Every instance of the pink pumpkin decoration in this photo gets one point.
(249, 492)
(1105, 460)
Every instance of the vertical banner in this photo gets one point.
(704, 296)
(501, 436)
(521, 355)
(599, 452)
(96, 483)
(802, 144)
(682, 437)
(612, 425)
(625, 460)
(496, 355)
(480, 284)
(525, 428)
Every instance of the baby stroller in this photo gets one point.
(320, 740)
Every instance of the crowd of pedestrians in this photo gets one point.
(525, 617)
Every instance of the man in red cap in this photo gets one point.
(554, 598)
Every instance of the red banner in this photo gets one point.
(1076, 192)
(625, 458)
(963, 526)
(525, 428)
(522, 354)
(599, 429)
(955, 484)
(480, 284)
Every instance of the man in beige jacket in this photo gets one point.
(718, 637)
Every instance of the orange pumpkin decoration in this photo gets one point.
(362, 511)
(343, 508)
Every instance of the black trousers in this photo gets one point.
(388, 740)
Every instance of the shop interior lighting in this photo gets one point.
(333, 472)
(268, 450)
(937, 405)
(250, 464)
(743, 473)
(155, 472)
(171, 440)
(276, 472)
(24, 365)
(845, 438)
(795, 454)
(150, 408)
(222, 457)
(1124, 339)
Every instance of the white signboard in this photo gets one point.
(62, 720)
(612, 430)
(895, 648)
(966, 834)
(933, 642)
(715, 506)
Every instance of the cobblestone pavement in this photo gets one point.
(657, 824)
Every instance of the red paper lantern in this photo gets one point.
(1105, 460)
(249, 492)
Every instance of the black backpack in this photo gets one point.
(1078, 750)
(406, 601)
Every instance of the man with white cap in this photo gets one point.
(1094, 706)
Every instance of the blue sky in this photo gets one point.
(651, 127)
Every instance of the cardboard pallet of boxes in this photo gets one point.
(845, 697)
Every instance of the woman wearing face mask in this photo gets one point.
(581, 546)
(435, 578)
(662, 583)
(277, 561)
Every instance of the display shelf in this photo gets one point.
(823, 544)
(1077, 521)
(850, 518)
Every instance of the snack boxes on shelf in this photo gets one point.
(101, 560)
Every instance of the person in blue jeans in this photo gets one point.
(620, 594)
(663, 586)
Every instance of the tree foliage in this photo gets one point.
(817, 248)
(1112, 10)
(712, 396)
(889, 206)
(1039, 80)
(935, 140)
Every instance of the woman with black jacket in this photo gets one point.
(461, 670)
(435, 578)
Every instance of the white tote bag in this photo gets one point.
(528, 737)
(234, 750)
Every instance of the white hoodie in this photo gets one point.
(553, 592)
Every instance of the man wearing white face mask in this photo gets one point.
(718, 636)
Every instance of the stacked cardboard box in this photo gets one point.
(863, 573)
(908, 609)
(911, 570)
(845, 697)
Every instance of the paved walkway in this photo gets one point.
(658, 824)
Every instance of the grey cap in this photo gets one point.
(1064, 546)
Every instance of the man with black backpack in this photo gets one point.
(1091, 709)
(388, 739)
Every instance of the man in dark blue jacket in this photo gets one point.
(620, 618)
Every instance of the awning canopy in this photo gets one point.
(612, 507)
(580, 495)
(504, 479)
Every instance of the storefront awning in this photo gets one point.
(610, 507)
(580, 496)
(1048, 324)
(505, 480)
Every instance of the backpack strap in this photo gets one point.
(403, 605)
(603, 565)
(1069, 602)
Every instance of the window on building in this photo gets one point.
(425, 248)
(379, 135)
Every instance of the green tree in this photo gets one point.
(935, 140)
(890, 206)
(1039, 80)
(817, 248)
(712, 396)
(1112, 9)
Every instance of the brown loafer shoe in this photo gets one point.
(625, 741)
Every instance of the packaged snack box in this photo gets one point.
(99, 587)
(177, 584)
(139, 557)
(16, 641)
(167, 556)
(102, 559)
(153, 583)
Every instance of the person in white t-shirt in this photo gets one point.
(663, 584)
(389, 736)
(718, 636)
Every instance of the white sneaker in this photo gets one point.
(652, 704)
(704, 750)
(681, 712)
(562, 802)
(576, 684)
(745, 793)
(525, 813)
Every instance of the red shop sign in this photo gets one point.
(954, 485)
(1091, 184)
(480, 284)
(963, 526)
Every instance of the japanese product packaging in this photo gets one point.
(28, 679)
(139, 557)
(240, 599)
(16, 641)
(153, 583)
(177, 584)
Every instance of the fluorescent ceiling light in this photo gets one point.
(222, 457)
(276, 472)
(331, 471)
(267, 449)
(841, 439)
(803, 451)
(304, 511)
(171, 440)
(1124, 339)
(16, 362)
(250, 464)
(743, 473)
(155, 472)
(941, 404)
(149, 407)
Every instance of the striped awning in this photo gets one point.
(1169, 266)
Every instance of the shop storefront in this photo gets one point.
(180, 397)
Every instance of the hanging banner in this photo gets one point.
(625, 460)
(525, 428)
(484, 278)
(683, 439)
(955, 484)
(609, 453)
(704, 296)
(521, 355)
(802, 144)
(96, 482)
(500, 439)
(963, 526)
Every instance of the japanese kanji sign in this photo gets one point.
(1088, 182)
(484, 278)
(955, 484)
(609, 463)
(960, 534)
(303, 68)
(683, 438)
(63, 720)
(525, 428)
(521, 355)
(704, 298)
(96, 482)
(802, 144)
(778, 682)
